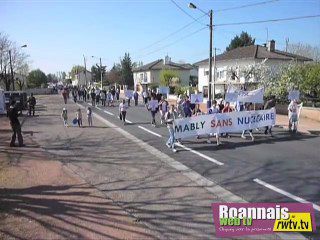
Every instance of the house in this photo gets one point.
(150, 73)
(82, 78)
(230, 65)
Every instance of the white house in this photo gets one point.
(82, 78)
(150, 73)
(230, 64)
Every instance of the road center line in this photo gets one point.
(107, 112)
(200, 154)
(149, 131)
(298, 199)
(98, 108)
(128, 121)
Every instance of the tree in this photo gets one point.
(241, 41)
(18, 60)
(36, 79)
(126, 71)
(114, 75)
(169, 78)
(52, 78)
(75, 70)
(305, 50)
(96, 73)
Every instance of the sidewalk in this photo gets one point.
(306, 125)
(95, 183)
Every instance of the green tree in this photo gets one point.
(169, 78)
(126, 71)
(36, 79)
(52, 78)
(114, 75)
(241, 41)
(96, 73)
(75, 70)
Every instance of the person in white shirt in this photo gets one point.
(246, 107)
(293, 110)
(163, 107)
(123, 111)
(89, 116)
(153, 108)
(145, 97)
(170, 116)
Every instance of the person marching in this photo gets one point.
(145, 97)
(123, 111)
(153, 107)
(227, 109)
(136, 97)
(64, 116)
(12, 113)
(163, 107)
(32, 103)
(214, 109)
(187, 107)
(89, 116)
(93, 97)
(79, 117)
(293, 110)
(247, 107)
(170, 116)
(269, 104)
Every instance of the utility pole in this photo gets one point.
(11, 68)
(85, 69)
(210, 57)
(101, 72)
(214, 73)
(287, 43)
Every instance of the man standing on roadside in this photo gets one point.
(15, 124)
(32, 103)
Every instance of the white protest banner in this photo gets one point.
(294, 95)
(128, 94)
(2, 102)
(254, 96)
(223, 122)
(164, 90)
(197, 98)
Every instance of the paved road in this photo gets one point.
(283, 168)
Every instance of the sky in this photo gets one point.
(59, 33)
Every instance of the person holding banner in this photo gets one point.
(269, 104)
(214, 109)
(246, 107)
(153, 107)
(227, 109)
(187, 107)
(170, 116)
(293, 110)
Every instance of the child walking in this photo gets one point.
(89, 116)
(64, 116)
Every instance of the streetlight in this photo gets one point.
(209, 14)
(11, 68)
(100, 70)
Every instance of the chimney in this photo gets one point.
(271, 46)
(167, 60)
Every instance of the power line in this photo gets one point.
(172, 34)
(170, 44)
(264, 21)
(185, 12)
(244, 6)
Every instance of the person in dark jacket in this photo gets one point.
(32, 103)
(15, 124)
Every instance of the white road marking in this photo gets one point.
(110, 113)
(128, 121)
(200, 154)
(201, 181)
(298, 199)
(149, 131)
(98, 108)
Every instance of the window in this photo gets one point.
(205, 72)
(141, 77)
(205, 91)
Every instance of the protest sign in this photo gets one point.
(164, 90)
(197, 98)
(294, 95)
(2, 102)
(223, 123)
(128, 94)
(254, 96)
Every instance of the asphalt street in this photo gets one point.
(282, 168)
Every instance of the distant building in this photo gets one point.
(238, 59)
(150, 73)
(82, 78)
